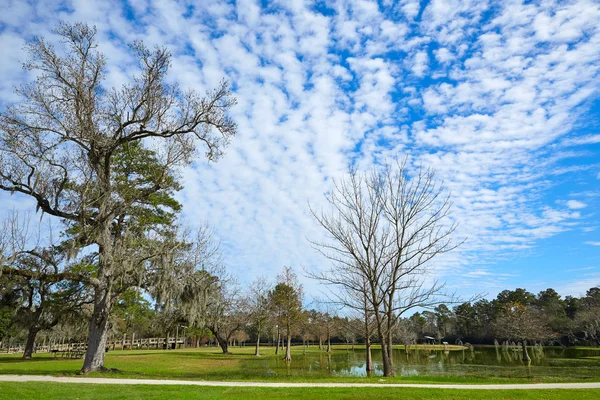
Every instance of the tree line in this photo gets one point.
(273, 314)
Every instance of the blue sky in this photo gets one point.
(501, 98)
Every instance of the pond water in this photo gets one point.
(484, 362)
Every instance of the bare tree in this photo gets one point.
(522, 323)
(405, 333)
(227, 313)
(328, 318)
(385, 228)
(259, 307)
(586, 326)
(59, 146)
(349, 329)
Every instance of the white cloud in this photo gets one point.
(576, 205)
(420, 63)
(593, 243)
(410, 8)
(590, 139)
(578, 287)
(443, 55)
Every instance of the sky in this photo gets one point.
(500, 98)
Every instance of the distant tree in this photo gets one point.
(485, 313)
(307, 328)
(258, 300)
(132, 312)
(419, 322)
(444, 320)
(227, 312)
(592, 297)
(586, 324)
(550, 303)
(405, 333)
(572, 305)
(349, 329)
(430, 328)
(195, 276)
(314, 325)
(240, 337)
(330, 323)
(522, 323)
(517, 296)
(287, 298)
(465, 320)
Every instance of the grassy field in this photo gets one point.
(65, 391)
(210, 364)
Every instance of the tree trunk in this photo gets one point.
(525, 355)
(387, 365)
(30, 343)
(223, 343)
(328, 342)
(288, 353)
(369, 364)
(256, 351)
(94, 356)
(278, 340)
(224, 346)
(390, 343)
(103, 296)
(369, 356)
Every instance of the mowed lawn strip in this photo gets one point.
(66, 391)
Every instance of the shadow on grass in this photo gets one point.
(183, 356)
(34, 359)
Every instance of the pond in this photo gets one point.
(483, 362)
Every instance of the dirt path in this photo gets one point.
(110, 381)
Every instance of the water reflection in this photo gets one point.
(426, 362)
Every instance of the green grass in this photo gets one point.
(210, 364)
(68, 391)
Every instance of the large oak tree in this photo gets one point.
(60, 145)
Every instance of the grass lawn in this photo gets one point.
(66, 391)
(210, 364)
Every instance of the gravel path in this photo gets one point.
(111, 381)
